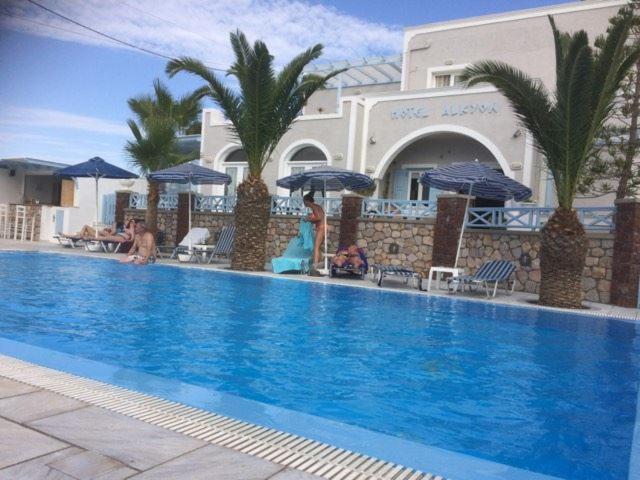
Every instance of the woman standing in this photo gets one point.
(317, 218)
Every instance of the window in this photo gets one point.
(417, 191)
(237, 167)
(304, 159)
(446, 77)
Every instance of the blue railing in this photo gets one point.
(534, 218)
(390, 208)
(215, 203)
(295, 206)
(511, 218)
(168, 201)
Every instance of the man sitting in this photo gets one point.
(143, 248)
(349, 256)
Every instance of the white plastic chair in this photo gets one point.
(20, 223)
(4, 220)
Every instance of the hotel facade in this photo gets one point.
(395, 117)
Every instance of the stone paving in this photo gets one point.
(44, 435)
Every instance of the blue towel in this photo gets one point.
(299, 251)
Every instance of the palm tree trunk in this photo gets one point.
(153, 197)
(253, 207)
(563, 251)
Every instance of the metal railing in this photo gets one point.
(510, 218)
(295, 206)
(534, 218)
(168, 201)
(390, 208)
(215, 203)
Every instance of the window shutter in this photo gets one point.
(401, 184)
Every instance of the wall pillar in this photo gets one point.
(626, 253)
(449, 223)
(349, 219)
(183, 217)
(122, 203)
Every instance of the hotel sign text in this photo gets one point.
(448, 110)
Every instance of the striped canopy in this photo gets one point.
(326, 178)
(95, 168)
(474, 178)
(190, 173)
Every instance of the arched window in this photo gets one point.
(304, 159)
(237, 167)
(309, 154)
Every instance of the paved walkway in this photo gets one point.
(44, 435)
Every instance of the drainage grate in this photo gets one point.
(279, 447)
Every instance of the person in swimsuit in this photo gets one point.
(317, 218)
(144, 246)
(348, 256)
(110, 235)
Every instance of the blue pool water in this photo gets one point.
(545, 392)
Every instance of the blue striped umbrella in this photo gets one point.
(193, 175)
(190, 173)
(474, 178)
(327, 179)
(95, 168)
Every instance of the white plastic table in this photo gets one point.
(439, 271)
(201, 252)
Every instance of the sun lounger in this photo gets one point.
(380, 272)
(195, 236)
(224, 245)
(350, 269)
(489, 275)
(71, 241)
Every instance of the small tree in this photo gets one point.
(612, 168)
(565, 127)
(260, 113)
(160, 118)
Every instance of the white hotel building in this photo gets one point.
(394, 117)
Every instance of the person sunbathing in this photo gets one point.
(108, 233)
(348, 256)
(144, 246)
(112, 235)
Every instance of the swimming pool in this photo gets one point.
(540, 391)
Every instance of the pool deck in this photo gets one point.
(46, 435)
(55, 425)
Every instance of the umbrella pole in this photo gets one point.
(97, 206)
(464, 221)
(189, 215)
(326, 233)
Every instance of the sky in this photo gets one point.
(64, 89)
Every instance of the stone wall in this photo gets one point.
(397, 242)
(524, 249)
(410, 242)
(281, 228)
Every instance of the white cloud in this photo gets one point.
(56, 119)
(201, 28)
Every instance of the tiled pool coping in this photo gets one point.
(285, 449)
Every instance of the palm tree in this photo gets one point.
(160, 118)
(565, 126)
(260, 113)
